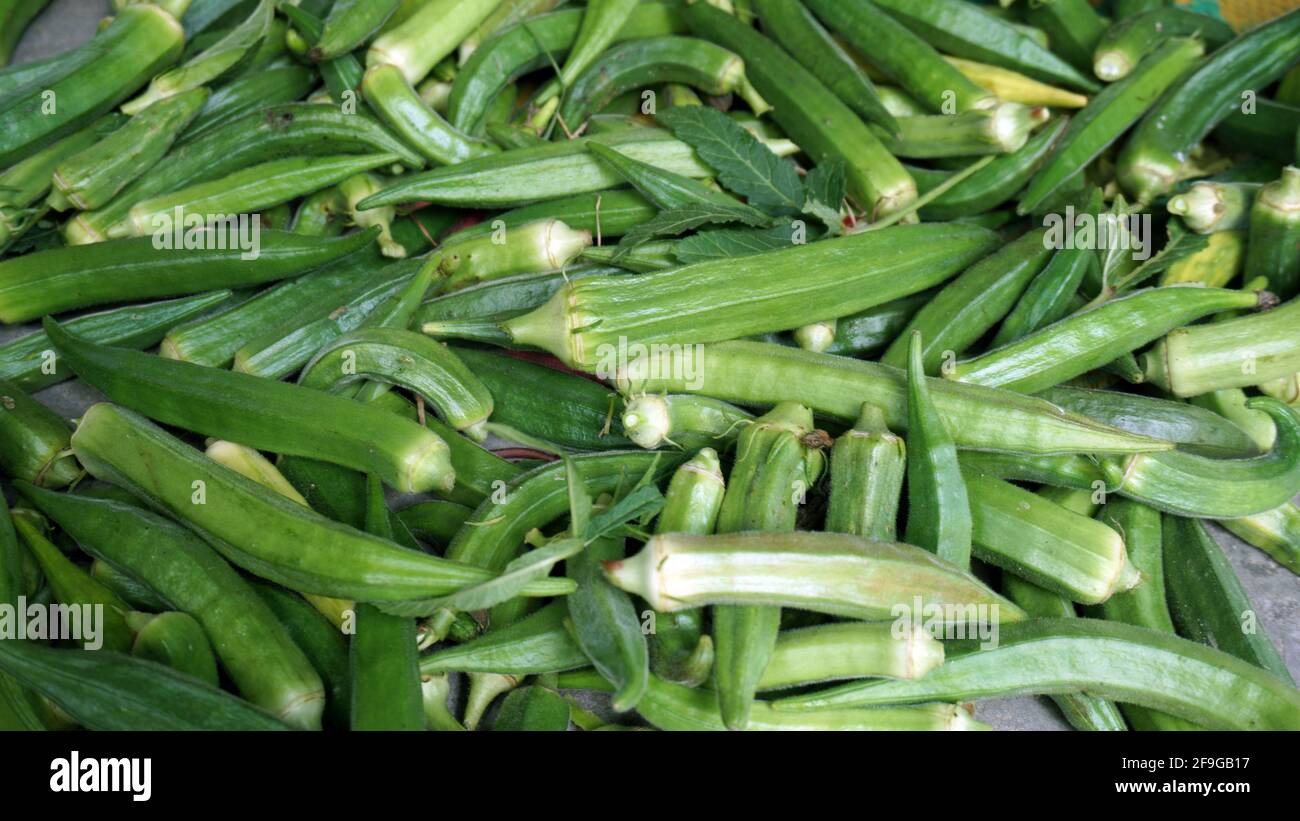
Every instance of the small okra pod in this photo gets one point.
(408, 359)
(938, 511)
(358, 187)
(1274, 247)
(321, 214)
(688, 422)
(1001, 129)
(535, 247)
(1090, 339)
(34, 440)
(536, 644)
(175, 640)
(432, 32)
(1186, 484)
(320, 641)
(1208, 206)
(1122, 46)
(410, 117)
(816, 337)
(1207, 600)
(1055, 548)
(868, 464)
(831, 573)
(673, 707)
(349, 24)
(1276, 532)
(1115, 661)
(680, 651)
(831, 652)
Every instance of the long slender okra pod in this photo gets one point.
(23, 709)
(434, 31)
(672, 707)
(1276, 532)
(850, 650)
(1122, 46)
(349, 24)
(33, 440)
(601, 21)
(938, 512)
(401, 108)
(1083, 711)
(254, 648)
(1274, 247)
(408, 359)
(1189, 485)
(868, 464)
(1090, 339)
(777, 460)
(971, 304)
(214, 402)
(1151, 160)
(537, 643)
(1207, 600)
(1048, 296)
(1207, 207)
(258, 529)
(584, 319)
(282, 82)
(1108, 116)
(811, 114)
(1116, 661)
(1000, 129)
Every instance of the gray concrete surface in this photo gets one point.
(1274, 591)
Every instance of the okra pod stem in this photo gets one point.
(1000, 129)
(688, 422)
(1207, 207)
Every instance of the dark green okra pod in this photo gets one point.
(868, 464)
(33, 440)
(1274, 247)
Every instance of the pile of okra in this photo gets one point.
(746, 364)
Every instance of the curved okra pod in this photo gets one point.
(536, 644)
(1151, 161)
(1276, 532)
(1083, 711)
(1125, 44)
(831, 573)
(970, 305)
(402, 110)
(432, 32)
(1274, 247)
(938, 511)
(17, 15)
(140, 41)
(258, 529)
(1207, 600)
(60, 279)
(260, 413)
(349, 24)
(639, 63)
(410, 360)
(1092, 338)
(526, 175)
(795, 28)
(811, 114)
(673, 707)
(601, 22)
(1198, 487)
(1108, 116)
(688, 422)
(1115, 661)
(778, 458)
(253, 189)
(584, 318)
(1209, 206)
(33, 440)
(868, 464)
(210, 64)
(1039, 540)
(755, 373)
(1000, 129)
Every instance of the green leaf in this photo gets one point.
(672, 223)
(1180, 245)
(733, 242)
(533, 709)
(671, 191)
(644, 500)
(745, 166)
(824, 189)
(579, 498)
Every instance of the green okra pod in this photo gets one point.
(831, 573)
(321, 214)
(134, 593)
(319, 640)
(263, 414)
(91, 178)
(1054, 548)
(1000, 129)
(61, 279)
(410, 360)
(938, 511)
(432, 32)
(17, 15)
(1207, 600)
(358, 187)
(349, 24)
(1274, 247)
(688, 422)
(601, 22)
(1123, 45)
(584, 321)
(279, 83)
(1073, 28)
(1115, 661)
(811, 114)
(176, 640)
(1208, 206)
(1108, 116)
(402, 109)
(434, 521)
(1269, 129)
(1090, 339)
(258, 529)
(538, 643)
(1190, 485)
(831, 652)
(601, 214)
(969, 306)
(606, 625)
(1276, 532)
(535, 247)
(868, 464)
(34, 440)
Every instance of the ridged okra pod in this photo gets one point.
(432, 32)
(1276, 532)
(587, 322)
(1273, 250)
(1123, 45)
(680, 650)
(402, 109)
(1001, 129)
(33, 440)
(831, 652)
(778, 458)
(532, 248)
(601, 22)
(1207, 206)
(868, 464)
(687, 422)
